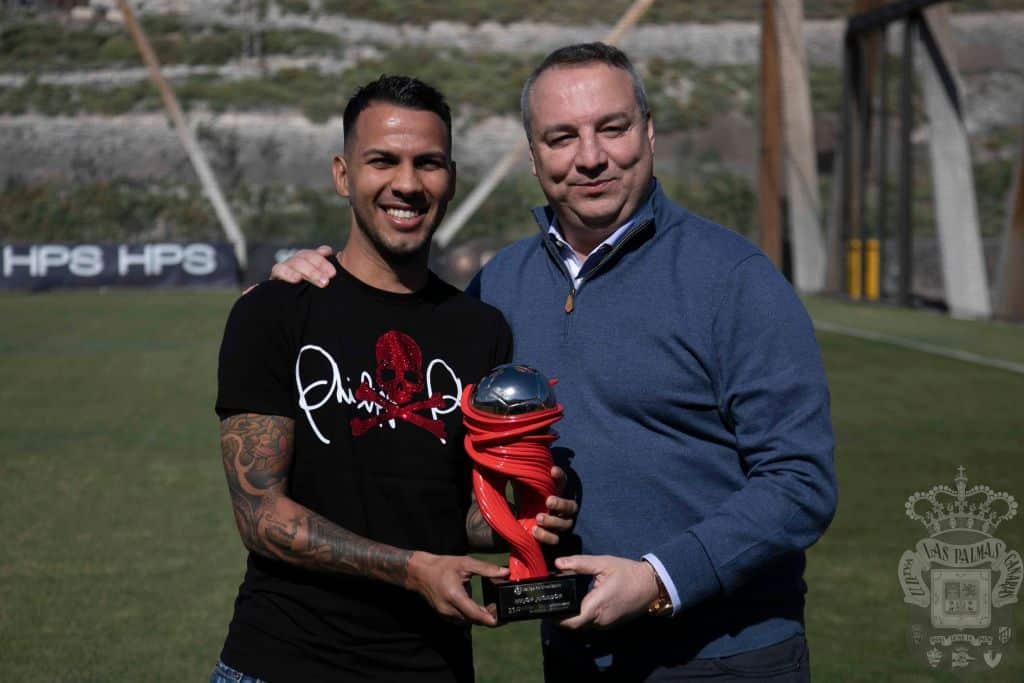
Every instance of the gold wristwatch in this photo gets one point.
(661, 606)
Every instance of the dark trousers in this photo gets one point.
(785, 662)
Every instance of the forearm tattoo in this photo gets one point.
(481, 535)
(257, 454)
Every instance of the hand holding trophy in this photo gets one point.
(508, 416)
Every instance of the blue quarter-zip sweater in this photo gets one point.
(696, 422)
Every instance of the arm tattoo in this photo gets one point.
(481, 535)
(257, 454)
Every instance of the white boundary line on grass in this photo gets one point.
(925, 347)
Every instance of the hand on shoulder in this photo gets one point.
(306, 265)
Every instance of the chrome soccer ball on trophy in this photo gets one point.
(513, 389)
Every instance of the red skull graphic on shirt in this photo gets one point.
(399, 366)
(399, 374)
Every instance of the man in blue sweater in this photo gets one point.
(697, 425)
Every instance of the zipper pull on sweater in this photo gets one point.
(568, 300)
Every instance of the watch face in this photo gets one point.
(660, 607)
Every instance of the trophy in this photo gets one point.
(508, 416)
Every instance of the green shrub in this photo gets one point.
(992, 182)
(36, 98)
(34, 45)
(47, 45)
(124, 210)
(294, 6)
(717, 194)
(505, 214)
(137, 97)
(581, 12)
(118, 50)
(476, 84)
(712, 91)
(300, 41)
(826, 84)
(100, 211)
(157, 24)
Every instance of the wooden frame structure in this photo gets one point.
(851, 231)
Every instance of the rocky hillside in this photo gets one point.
(88, 152)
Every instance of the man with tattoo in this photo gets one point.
(341, 436)
(697, 410)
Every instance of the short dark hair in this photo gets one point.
(404, 91)
(578, 55)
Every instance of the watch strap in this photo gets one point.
(661, 606)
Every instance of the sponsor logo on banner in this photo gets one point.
(47, 266)
(960, 582)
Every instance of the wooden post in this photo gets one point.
(799, 161)
(839, 200)
(863, 245)
(855, 247)
(906, 241)
(769, 214)
(188, 141)
(1010, 287)
(883, 173)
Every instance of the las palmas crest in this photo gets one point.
(960, 581)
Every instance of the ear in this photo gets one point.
(339, 171)
(533, 162)
(650, 131)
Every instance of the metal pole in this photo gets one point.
(863, 173)
(845, 171)
(195, 153)
(907, 165)
(883, 164)
(472, 202)
(768, 208)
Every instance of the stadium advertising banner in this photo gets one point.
(263, 256)
(42, 266)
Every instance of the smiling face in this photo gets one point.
(398, 175)
(591, 149)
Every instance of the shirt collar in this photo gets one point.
(567, 251)
(578, 267)
(546, 219)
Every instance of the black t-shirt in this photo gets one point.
(302, 352)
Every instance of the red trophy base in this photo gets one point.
(557, 595)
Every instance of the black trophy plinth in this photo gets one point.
(557, 595)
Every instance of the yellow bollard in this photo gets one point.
(872, 269)
(854, 268)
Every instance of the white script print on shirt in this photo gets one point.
(399, 377)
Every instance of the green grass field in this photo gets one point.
(121, 560)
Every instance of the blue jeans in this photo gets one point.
(222, 673)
